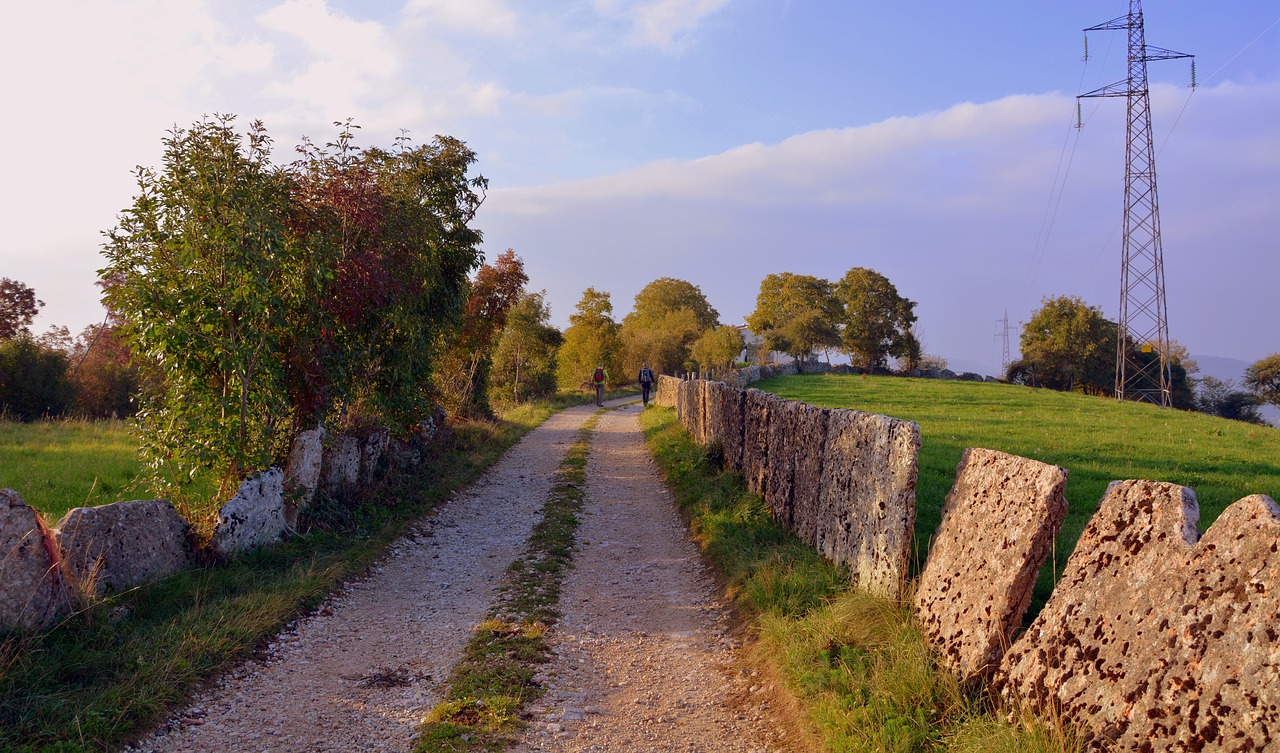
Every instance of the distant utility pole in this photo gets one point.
(1002, 332)
(1142, 348)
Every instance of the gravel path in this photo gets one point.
(645, 661)
(359, 673)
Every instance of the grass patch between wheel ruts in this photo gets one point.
(857, 664)
(494, 679)
(108, 674)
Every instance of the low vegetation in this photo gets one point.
(495, 678)
(1098, 440)
(110, 671)
(858, 665)
(57, 465)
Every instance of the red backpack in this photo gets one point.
(598, 376)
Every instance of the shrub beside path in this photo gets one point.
(645, 659)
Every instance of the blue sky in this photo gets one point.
(713, 140)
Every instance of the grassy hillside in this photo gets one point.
(58, 465)
(1097, 440)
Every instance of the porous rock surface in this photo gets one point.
(1154, 640)
(254, 517)
(341, 470)
(757, 409)
(302, 473)
(997, 529)
(731, 428)
(114, 547)
(780, 459)
(806, 484)
(867, 506)
(666, 392)
(31, 594)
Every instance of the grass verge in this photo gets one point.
(857, 664)
(495, 677)
(109, 673)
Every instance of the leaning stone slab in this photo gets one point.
(302, 473)
(254, 517)
(997, 530)
(867, 507)
(1154, 640)
(115, 547)
(372, 451)
(806, 485)
(31, 591)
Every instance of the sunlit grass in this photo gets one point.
(60, 464)
(1097, 440)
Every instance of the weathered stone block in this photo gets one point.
(31, 590)
(756, 410)
(341, 465)
(811, 443)
(302, 473)
(372, 450)
(115, 547)
(997, 530)
(666, 391)
(867, 507)
(254, 517)
(780, 458)
(731, 428)
(1154, 640)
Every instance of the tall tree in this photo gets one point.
(33, 381)
(1221, 398)
(18, 307)
(796, 315)
(464, 374)
(592, 338)
(1263, 379)
(668, 316)
(1068, 345)
(524, 362)
(718, 348)
(876, 321)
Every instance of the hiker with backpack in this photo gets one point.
(598, 379)
(646, 383)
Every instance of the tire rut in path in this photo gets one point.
(359, 673)
(644, 659)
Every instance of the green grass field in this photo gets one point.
(1097, 440)
(58, 465)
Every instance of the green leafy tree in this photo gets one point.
(524, 362)
(876, 321)
(33, 379)
(718, 348)
(1263, 379)
(668, 316)
(1221, 398)
(592, 338)
(105, 376)
(197, 266)
(796, 315)
(1067, 345)
(18, 307)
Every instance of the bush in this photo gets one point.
(33, 379)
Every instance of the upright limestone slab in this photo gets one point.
(806, 484)
(114, 547)
(867, 506)
(31, 595)
(255, 516)
(341, 471)
(730, 414)
(302, 473)
(997, 530)
(780, 460)
(757, 409)
(665, 395)
(1154, 640)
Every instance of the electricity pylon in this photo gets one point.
(1002, 332)
(1142, 348)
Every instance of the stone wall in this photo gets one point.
(1157, 638)
(97, 550)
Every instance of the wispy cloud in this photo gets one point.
(665, 24)
(487, 17)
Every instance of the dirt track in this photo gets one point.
(644, 661)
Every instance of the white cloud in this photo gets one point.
(488, 17)
(664, 24)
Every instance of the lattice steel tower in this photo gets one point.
(1142, 348)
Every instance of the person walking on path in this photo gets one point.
(646, 383)
(598, 379)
